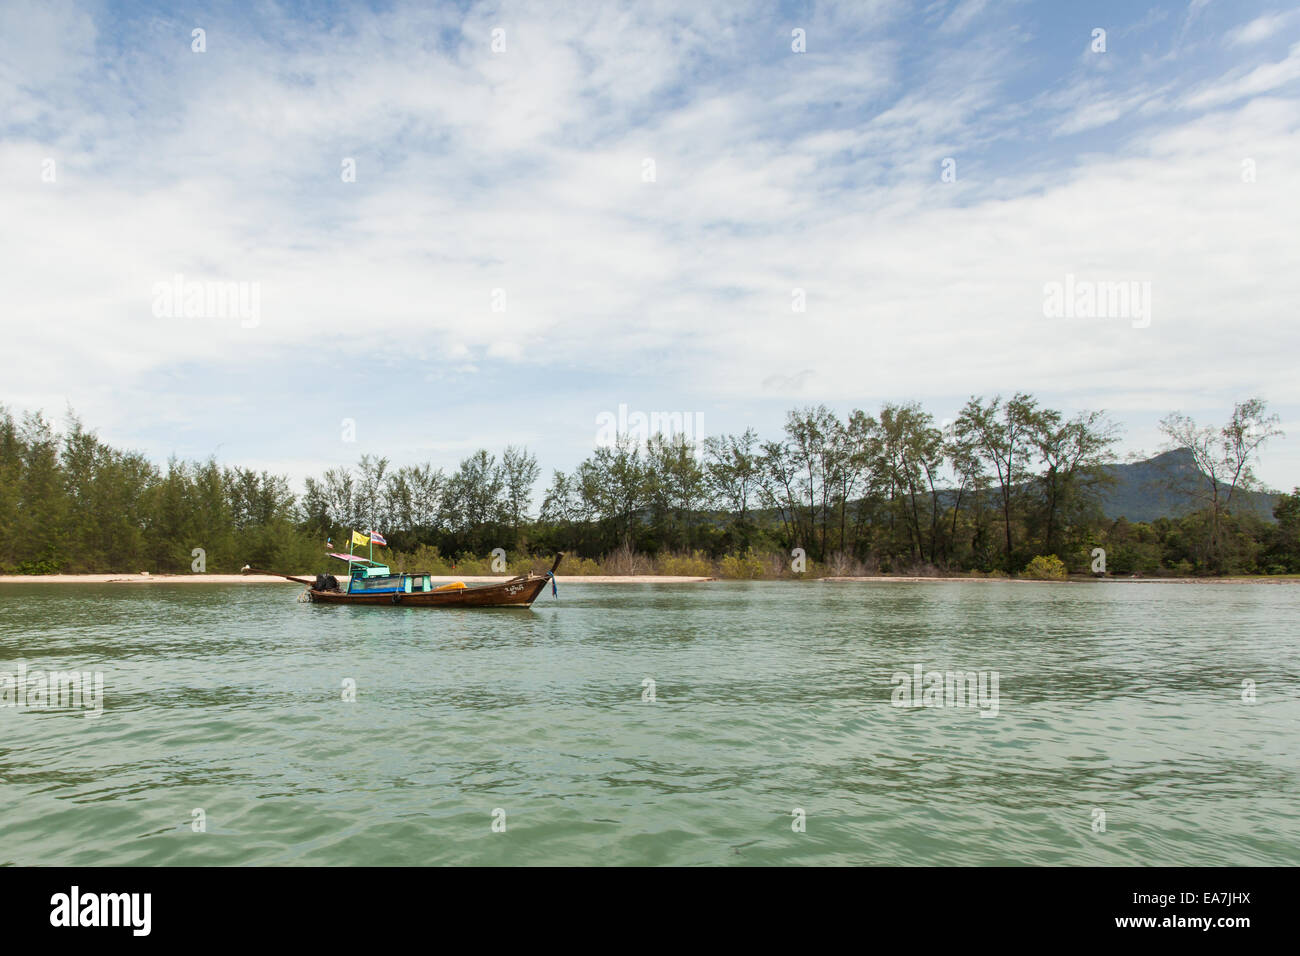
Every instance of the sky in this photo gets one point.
(469, 225)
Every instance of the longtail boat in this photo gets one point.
(369, 582)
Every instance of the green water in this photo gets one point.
(1119, 697)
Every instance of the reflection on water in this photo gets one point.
(1119, 697)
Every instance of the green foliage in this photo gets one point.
(581, 566)
(1284, 549)
(424, 558)
(695, 564)
(1046, 567)
(743, 566)
(890, 493)
(46, 566)
(1224, 461)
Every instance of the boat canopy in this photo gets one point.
(354, 559)
(363, 567)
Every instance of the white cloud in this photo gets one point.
(1261, 28)
(1243, 84)
(523, 172)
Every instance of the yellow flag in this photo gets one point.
(359, 538)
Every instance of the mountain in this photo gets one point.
(1142, 491)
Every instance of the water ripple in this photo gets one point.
(1117, 703)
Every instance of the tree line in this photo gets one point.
(896, 491)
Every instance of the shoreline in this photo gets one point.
(273, 579)
(1076, 579)
(614, 579)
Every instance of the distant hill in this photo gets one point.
(1142, 491)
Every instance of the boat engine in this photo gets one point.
(326, 582)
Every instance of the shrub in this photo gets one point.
(694, 564)
(423, 558)
(842, 564)
(1046, 567)
(580, 566)
(625, 560)
(44, 566)
(747, 566)
(473, 566)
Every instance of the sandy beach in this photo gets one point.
(1241, 579)
(592, 579)
(897, 578)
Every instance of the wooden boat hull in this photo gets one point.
(517, 592)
